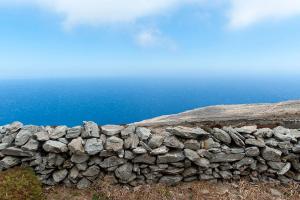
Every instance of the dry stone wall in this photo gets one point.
(137, 155)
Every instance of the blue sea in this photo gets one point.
(125, 100)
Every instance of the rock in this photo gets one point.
(143, 133)
(264, 133)
(247, 129)
(74, 173)
(55, 146)
(296, 148)
(139, 150)
(209, 144)
(75, 146)
(131, 142)
(125, 133)
(13, 151)
(128, 155)
(156, 141)
(188, 133)
(191, 155)
(190, 172)
(112, 162)
(160, 150)
(82, 166)
(192, 144)
(9, 138)
(283, 134)
(222, 157)
(252, 151)
(245, 161)
(60, 175)
(92, 171)
(74, 132)
(83, 183)
(31, 145)
(144, 158)
(13, 127)
(3, 146)
(173, 142)
(171, 157)
(22, 137)
(221, 135)
(271, 154)
(8, 162)
(124, 173)
(285, 169)
(93, 146)
(114, 143)
(42, 136)
(79, 158)
(111, 130)
(238, 140)
(271, 142)
(90, 130)
(226, 175)
(58, 132)
(170, 180)
(202, 162)
(255, 142)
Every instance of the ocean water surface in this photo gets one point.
(125, 100)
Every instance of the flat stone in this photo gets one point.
(191, 155)
(283, 134)
(114, 143)
(126, 132)
(131, 142)
(221, 135)
(58, 132)
(111, 130)
(9, 161)
(271, 154)
(226, 174)
(160, 150)
(13, 127)
(255, 142)
(209, 144)
(139, 150)
(76, 146)
(264, 133)
(9, 138)
(238, 140)
(173, 142)
(125, 173)
(192, 144)
(93, 146)
(247, 129)
(92, 171)
(22, 137)
(276, 165)
(188, 133)
(76, 158)
(60, 175)
(55, 146)
(112, 162)
(144, 158)
(170, 180)
(252, 151)
(271, 142)
(13, 151)
(285, 169)
(222, 157)
(90, 130)
(83, 183)
(31, 145)
(74, 132)
(143, 133)
(42, 136)
(156, 141)
(171, 157)
(244, 162)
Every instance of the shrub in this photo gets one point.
(20, 184)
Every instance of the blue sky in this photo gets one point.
(109, 38)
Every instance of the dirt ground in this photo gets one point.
(105, 190)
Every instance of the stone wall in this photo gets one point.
(137, 155)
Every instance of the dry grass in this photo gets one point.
(243, 190)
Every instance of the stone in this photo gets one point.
(128, 155)
(92, 171)
(276, 165)
(139, 150)
(189, 172)
(14, 151)
(90, 130)
(255, 142)
(285, 169)
(271, 154)
(235, 136)
(58, 132)
(209, 144)
(226, 175)
(111, 130)
(144, 158)
(13, 127)
(9, 138)
(171, 157)
(31, 145)
(22, 137)
(191, 155)
(74, 173)
(221, 135)
(156, 141)
(112, 162)
(3, 146)
(188, 133)
(296, 148)
(143, 133)
(222, 157)
(82, 166)
(55, 146)
(79, 158)
(252, 151)
(83, 183)
(114, 143)
(264, 133)
(173, 142)
(126, 132)
(42, 136)
(271, 142)
(247, 129)
(93, 146)
(125, 173)
(74, 132)
(192, 144)
(75, 146)
(8, 162)
(131, 142)
(160, 150)
(283, 134)
(245, 161)
(170, 180)
(60, 175)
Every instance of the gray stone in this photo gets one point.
(76, 146)
(82, 166)
(114, 143)
(139, 150)
(60, 175)
(74, 132)
(173, 142)
(221, 135)
(283, 134)
(58, 132)
(125, 133)
(3, 146)
(143, 133)
(222, 157)
(285, 169)
(235, 136)
(171, 157)
(191, 155)
(192, 144)
(131, 142)
(160, 150)
(128, 155)
(112, 162)
(296, 148)
(22, 137)
(90, 130)
(271, 154)
(170, 180)
(74, 173)
(63, 140)
(252, 151)
(156, 141)
(144, 158)
(226, 175)
(111, 130)
(247, 129)
(255, 142)
(276, 165)
(209, 144)
(244, 161)
(189, 172)
(124, 173)
(264, 133)
(42, 136)
(8, 162)
(83, 183)
(271, 142)
(31, 145)
(188, 133)
(92, 171)
(13, 127)
(9, 138)
(93, 146)
(76, 158)
(13, 151)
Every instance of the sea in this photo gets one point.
(70, 101)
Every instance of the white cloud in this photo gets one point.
(248, 12)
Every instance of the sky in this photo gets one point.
(141, 38)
